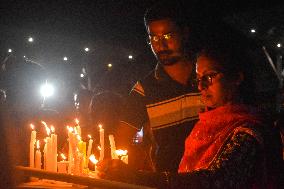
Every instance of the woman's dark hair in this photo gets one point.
(229, 49)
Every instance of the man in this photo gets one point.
(165, 103)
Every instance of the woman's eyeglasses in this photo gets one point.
(206, 80)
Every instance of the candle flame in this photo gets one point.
(37, 144)
(100, 126)
(63, 156)
(93, 159)
(90, 136)
(121, 152)
(32, 126)
(76, 121)
(45, 140)
(70, 129)
(52, 128)
(46, 127)
(99, 148)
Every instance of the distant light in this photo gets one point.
(31, 39)
(130, 57)
(65, 58)
(24, 56)
(46, 90)
(82, 75)
(109, 65)
(9, 50)
(252, 30)
(87, 49)
(279, 45)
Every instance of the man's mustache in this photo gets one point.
(165, 52)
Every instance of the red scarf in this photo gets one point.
(211, 132)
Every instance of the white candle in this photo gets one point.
(48, 157)
(53, 139)
(38, 156)
(112, 147)
(102, 143)
(70, 152)
(90, 144)
(32, 146)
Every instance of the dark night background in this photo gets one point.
(113, 30)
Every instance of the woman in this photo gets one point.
(231, 146)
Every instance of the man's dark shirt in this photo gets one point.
(171, 109)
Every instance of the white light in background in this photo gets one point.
(65, 58)
(279, 45)
(109, 65)
(130, 57)
(82, 75)
(252, 30)
(87, 49)
(9, 50)
(46, 90)
(31, 39)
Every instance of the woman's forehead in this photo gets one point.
(205, 63)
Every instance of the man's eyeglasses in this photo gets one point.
(206, 80)
(155, 39)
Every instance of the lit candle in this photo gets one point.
(102, 142)
(70, 150)
(32, 146)
(93, 159)
(48, 159)
(90, 144)
(112, 147)
(62, 165)
(82, 149)
(38, 156)
(53, 139)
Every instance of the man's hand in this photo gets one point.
(115, 169)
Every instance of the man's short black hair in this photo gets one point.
(166, 10)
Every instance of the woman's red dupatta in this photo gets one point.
(211, 132)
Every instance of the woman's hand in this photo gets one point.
(115, 169)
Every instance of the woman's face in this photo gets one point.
(215, 89)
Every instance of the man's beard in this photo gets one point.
(165, 58)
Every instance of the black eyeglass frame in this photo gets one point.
(206, 80)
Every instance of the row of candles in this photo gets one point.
(78, 155)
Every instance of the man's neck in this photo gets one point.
(180, 71)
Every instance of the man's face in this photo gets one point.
(166, 41)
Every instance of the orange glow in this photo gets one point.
(46, 127)
(90, 136)
(99, 148)
(78, 137)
